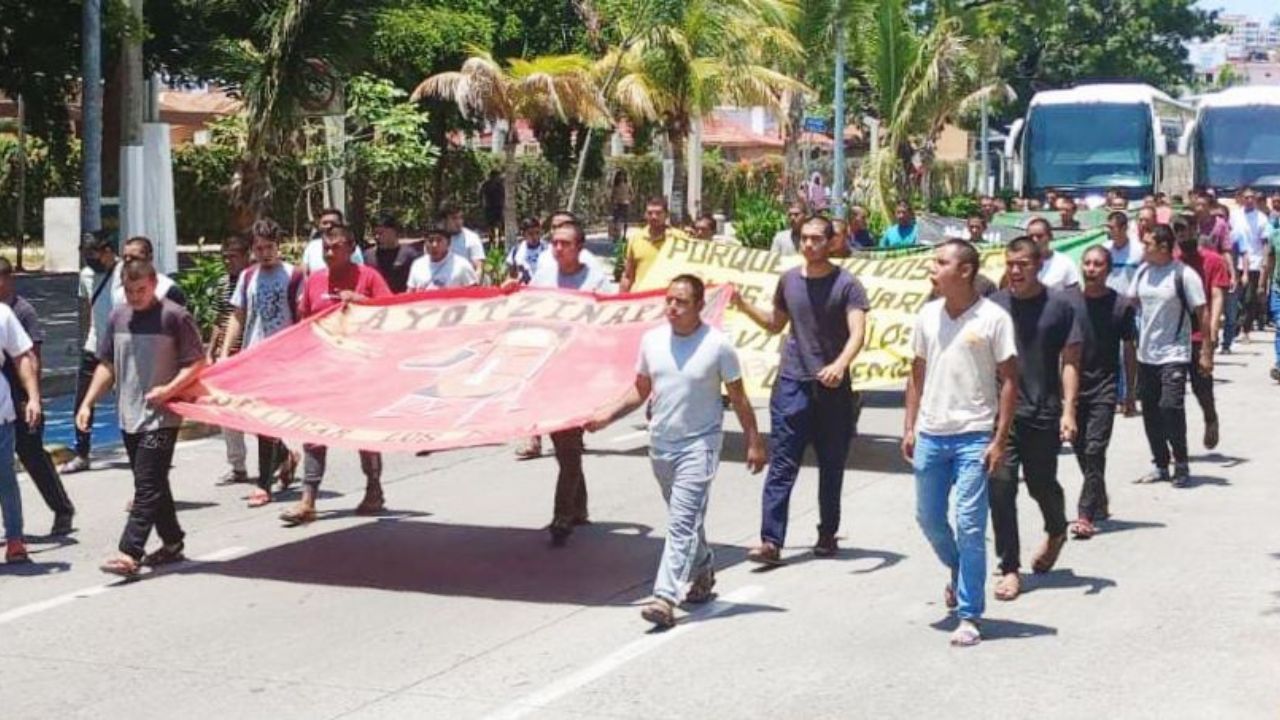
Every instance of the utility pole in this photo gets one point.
(982, 153)
(20, 225)
(837, 126)
(133, 106)
(91, 116)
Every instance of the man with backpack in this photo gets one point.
(264, 303)
(1171, 306)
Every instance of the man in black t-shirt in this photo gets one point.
(1048, 334)
(1109, 325)
(390, 257)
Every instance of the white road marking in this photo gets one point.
(539, 700)
(84, 593)
(628, 437)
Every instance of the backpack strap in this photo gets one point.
(1187, 311)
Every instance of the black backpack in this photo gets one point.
(1181, 290)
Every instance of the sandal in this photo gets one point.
(1083, 529)
(259, 498)
(296, 516)
(371, 504)
(660, 612)
(1008, 587)
(967, 635)
(166, 555)
(122, 566)
(703, 589)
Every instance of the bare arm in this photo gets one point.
(772, 321)
(103, 377)
(162, 393)
(1216, 300)
(634, 398)
(833, 374)
(915, 386)
(29, 374)
(756, 456)
(628, 273)
(1130, 378)
(235, 326)
(1008, 373)
(1070, 390)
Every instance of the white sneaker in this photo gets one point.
(74, 465)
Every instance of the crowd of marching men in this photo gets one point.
(1049, 354)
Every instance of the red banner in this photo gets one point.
(435, 370)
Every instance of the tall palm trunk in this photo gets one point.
(677, 137)
(793, 164)
(510, 176)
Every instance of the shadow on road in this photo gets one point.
(1223, 461)
(1199, 480)
(32, 569)
(1066, 579)
(877, 453)
(464, 560)
(1115, 526)
(996, 629)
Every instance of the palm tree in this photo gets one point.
(692, 56)
(559, 86)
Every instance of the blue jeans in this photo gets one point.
(1275, 319)
(685, 478)
(941, 462)
(803, 412)
(10, 495)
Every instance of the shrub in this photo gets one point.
(757, 218)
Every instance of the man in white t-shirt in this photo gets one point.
(313, 253)
(1058, 271)
(17, 345)
(530, 250)
(787, 242)
(1171, 305)
(96, 289)
(683, 365)
(959, 407)
(1249, 232)
(439, 267)
(462, 240)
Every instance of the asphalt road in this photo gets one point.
(454, 606)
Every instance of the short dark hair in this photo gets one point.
(1163, 235)
(447, 209)
(695, 284)
(1106, 254)
(1041, 221)
(1118, 216)
(1024, 243)
(331, 211)
(268, 229)
(99, 240)
(706, 217)
(977, 216)
(828, 230)
(656, 201)
(530, 222)
(1179, 223)
(387, 219)
(6, 267)
(144, 242)
(967, 254)
(136, 270)
(436, 230)
(579, 235)
(902, 203)
(235, 243)
(343, 232)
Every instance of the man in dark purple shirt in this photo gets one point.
(811, 402)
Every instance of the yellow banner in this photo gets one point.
(897, 285)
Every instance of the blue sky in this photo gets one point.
(1261, 9)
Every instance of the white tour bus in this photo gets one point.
(1234, 141)
(1088, 139)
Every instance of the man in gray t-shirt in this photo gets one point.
(1171, 304)
(683, 365)
(151, 349)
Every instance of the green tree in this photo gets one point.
(553, 86)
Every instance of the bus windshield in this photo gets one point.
(1089, 147)
(1237, 147)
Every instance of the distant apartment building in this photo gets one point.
(1247, 36)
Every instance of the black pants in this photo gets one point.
(1094, 423)
(150, 455)
(88, 364)
(1034, 451)
(270, 454)
(1252, 303)
(29, 444)
(1163, 390)
(1202, 387)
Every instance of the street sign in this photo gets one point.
(817, 125)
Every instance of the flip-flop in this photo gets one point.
(1003, 592)
(967, 635)
(121, 567)
(166, 555)
(294, 517)
(259, 498)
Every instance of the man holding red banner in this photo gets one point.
(340, 282)
(683, 365)
(570, 273)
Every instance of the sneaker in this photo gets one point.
(15, 551)
(530, 448)
(74, 465)
(62, 524)
(1155, 476)
(1181, 475)
(1047, 556)
(233, 477)
(1275, 374)
(1211, 435)
(765, 554)
(702, 590)
(826, 545)
(660, 612)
